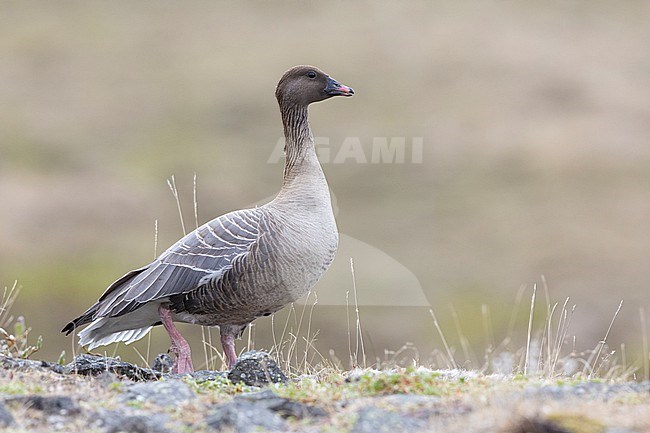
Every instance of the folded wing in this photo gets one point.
(207, 251)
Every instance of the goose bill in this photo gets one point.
(334, 88)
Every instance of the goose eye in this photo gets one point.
(311, 74)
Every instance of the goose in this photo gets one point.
(239, 266)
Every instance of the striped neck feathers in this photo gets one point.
(299, 142)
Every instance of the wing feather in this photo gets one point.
(205, 253)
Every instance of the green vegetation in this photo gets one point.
(576, 423)
(460, 398)
(14, 333)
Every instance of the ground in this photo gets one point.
(45, 397)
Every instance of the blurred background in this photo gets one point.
(534, 124)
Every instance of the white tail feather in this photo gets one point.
(127, 328)
(88, 337)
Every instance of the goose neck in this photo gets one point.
(299, 142)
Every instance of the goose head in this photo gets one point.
(302, 85)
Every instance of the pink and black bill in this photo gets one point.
(334, 88)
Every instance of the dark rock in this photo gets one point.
(163, 363)
(6, 419)
(11, 363)
(256, 368)
(17, 363)
(57, 368)
(282, 406)
(107, 378)
(163, 393)
(245, 417)
(373, 420)
(91, 365)
(115, 422)
(537, 426)
(53, 366)
(54, 405)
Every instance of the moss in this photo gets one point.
(396, 383)
(13, 388)
(135, 404)
(341, 395)
(218, 389)
(576, 423)
(116, 386)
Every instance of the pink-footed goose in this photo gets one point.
(241, 265)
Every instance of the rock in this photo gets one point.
(373, 420)
(588, 390)
(245, 417)
(408, 401)
(163, 363)
(9, 362)
(256, 368)
(423, 406)
(106, 378)
(6, 419)
(54, 405)
(282, 406)
(537, 426)
(90, 365)
(115, 422)
(57, 368)
(163, 393)
(199, 376)
(207, 375)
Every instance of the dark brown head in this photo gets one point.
(302, 85)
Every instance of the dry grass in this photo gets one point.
(549, 350)
(548, 354)
(14, 333)
(500, 399)
(545, 356)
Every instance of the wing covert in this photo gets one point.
(208, 250)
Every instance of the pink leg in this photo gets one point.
(180, 346)
(228, 344)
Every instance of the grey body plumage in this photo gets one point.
(241, 265)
